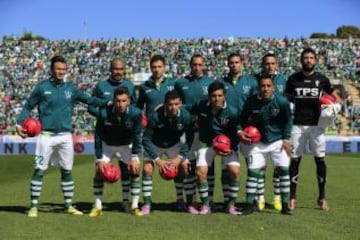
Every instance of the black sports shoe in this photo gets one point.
(249, 209)
(285, 209)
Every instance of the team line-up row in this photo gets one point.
(189, 121)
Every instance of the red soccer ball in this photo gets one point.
(144, 120)
(327, 99)
(169, 174)
(221, 143)
(32, 127)
(111, 173)
(253, 133)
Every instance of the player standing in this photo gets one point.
(238, 88)
(55, 100)
(151, 96)
(105, 90)
(304, 89)
(193, 88)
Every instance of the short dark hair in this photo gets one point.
(56, 59)
(171, 95)
(156, 58)
(233, 55)
(307, 50)
(216, 85)
(121, 91)
(197, 55)
(266, 76)
(268, 55)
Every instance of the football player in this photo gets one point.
(269, 66)
(151, 96)
(193, 88)
(119, 128)
(270, 113)
(105, 90)
(214, 118)
(304, 89)
(238, 88)
(55, 99)
(162, 137)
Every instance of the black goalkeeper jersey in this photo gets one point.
(304, 92)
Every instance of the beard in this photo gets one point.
(308, 68)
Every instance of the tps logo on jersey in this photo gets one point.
(317, 83)
(68, 95)
(307, 92)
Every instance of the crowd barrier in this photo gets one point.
(17, 145)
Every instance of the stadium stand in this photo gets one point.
(24, 63)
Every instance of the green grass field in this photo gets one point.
(308, 222)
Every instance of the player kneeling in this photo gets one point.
(270, 113)
(215, 117)
(119, 127)
(163, 137)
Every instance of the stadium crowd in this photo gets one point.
(24, 63)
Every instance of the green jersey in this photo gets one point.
(238, 90)
(193, 90)
(117, 130)
(272, 118)
(152, 95)
(105, 90)
(211, 124)
(164, 132)
(55, 104)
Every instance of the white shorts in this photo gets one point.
(56, 149)
(171, 152)
(260, 152)
(122, 153)
(206, 157)
(301, 135)
(245, 148)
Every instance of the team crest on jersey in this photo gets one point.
(275, 112)
(129, 124)
(68, 94)
(205, 90)
(246, 89)
(180, 126)
(317, 83)
(224, 121)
